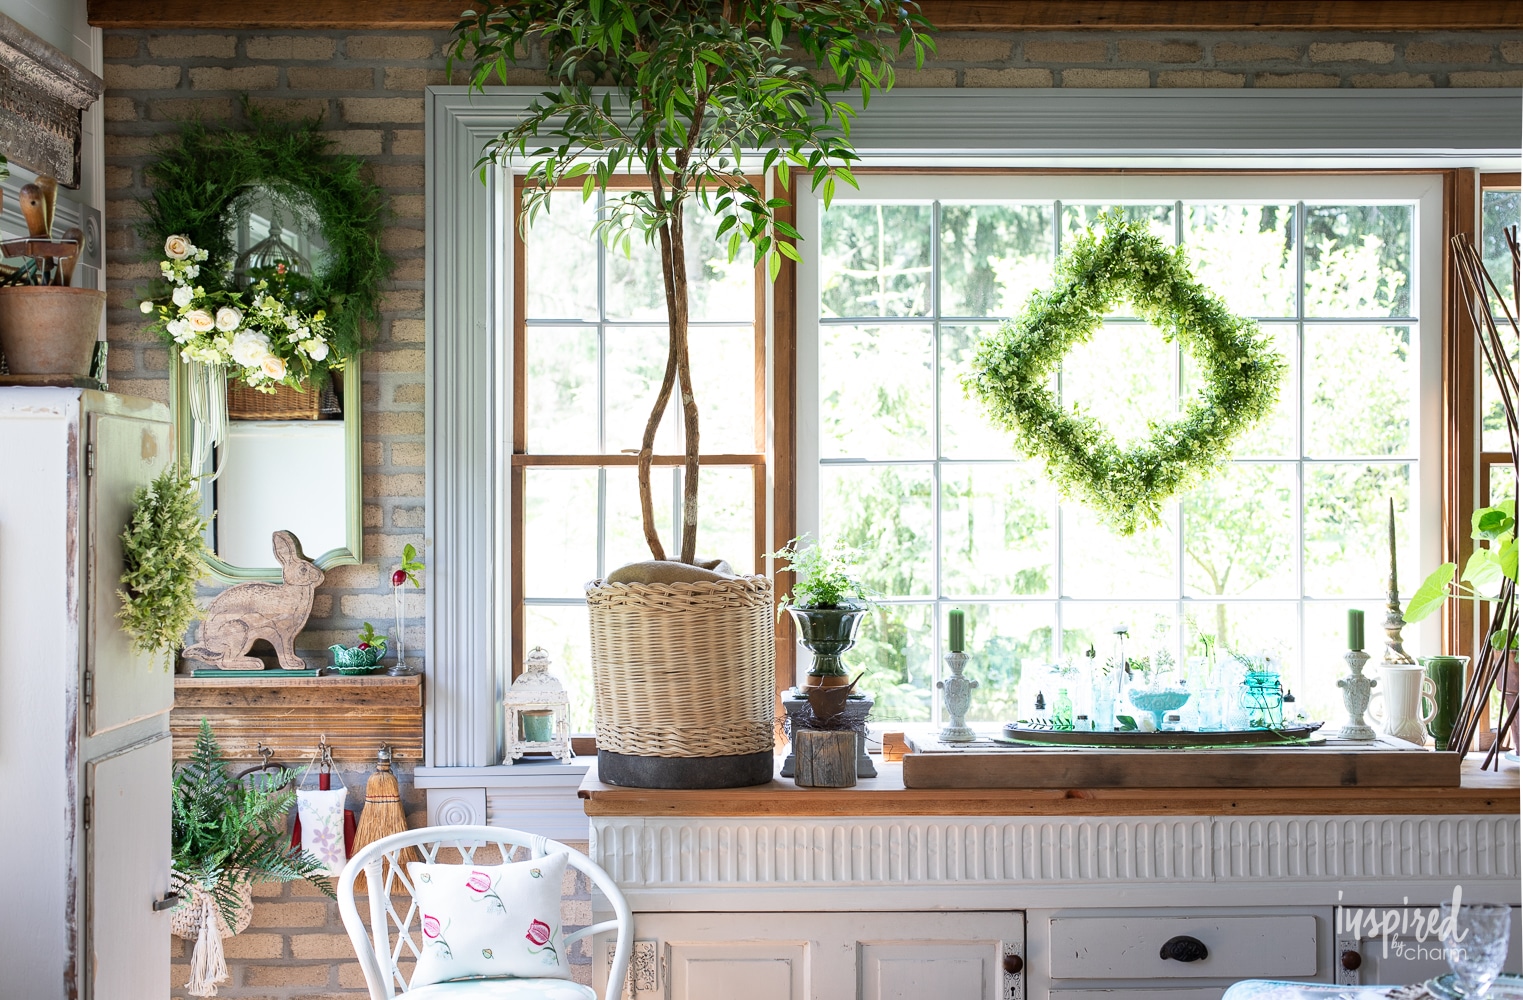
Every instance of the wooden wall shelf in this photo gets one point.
(291, 714)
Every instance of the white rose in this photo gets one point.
(228, 319)
(200, 320)
(182, 295)
(145, 306)
(250, 348)
(274, 367)
(315, 349)
(178, 247)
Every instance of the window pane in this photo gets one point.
(875, 260)
(626, 536)
(1499, 211)
(894, 648)
(1078, 218)
(560, 531)
(1361, 390)
(1275, 436)
(1246, 254)
(727, 516)
(884, 512)
(1240, 533)
(561, 260)
(996, 523)
(1094, 623)
(724, 380)
(1347, 547)
(717, 289)
(1247, 627)
(1124, 377)
(1493, 413)
(566, 636)
(636, 360)
(1358, 260)
(875, 392)
(993, 257)
(1097, 562)
(1503, 483)
(561, 390)
(1002, 640)
(966, 432)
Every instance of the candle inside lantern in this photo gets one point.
(955, 630)
(1355, 628)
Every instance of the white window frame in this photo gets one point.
(1423, 190)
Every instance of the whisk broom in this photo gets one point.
(383, 815)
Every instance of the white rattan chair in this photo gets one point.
(379, 953)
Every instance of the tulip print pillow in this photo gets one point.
(490, 920)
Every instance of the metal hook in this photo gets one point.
(325, 753)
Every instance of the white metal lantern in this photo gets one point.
(539, 713)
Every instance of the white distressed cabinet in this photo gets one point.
(84, 721)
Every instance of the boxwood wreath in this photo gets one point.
(1013, 373)
(162, 548)
(197, 180)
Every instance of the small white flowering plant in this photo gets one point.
(265, 335)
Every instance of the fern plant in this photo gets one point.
(161, 559)
(824, 576)
(227, 832)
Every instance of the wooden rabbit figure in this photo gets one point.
(276, 612)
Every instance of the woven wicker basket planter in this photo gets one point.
(683, 675)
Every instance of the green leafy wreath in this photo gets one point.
(162, 548)
(1014, 369)
(201, 173)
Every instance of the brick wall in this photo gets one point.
(368, 91)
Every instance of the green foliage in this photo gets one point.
(162, 548)
(696, 84)
(1013, 374)
(410, 566)
(226, 832)
(823, 575)
(200, 173)
(368, 637)
(1484, 571)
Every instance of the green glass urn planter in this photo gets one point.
(827, 633)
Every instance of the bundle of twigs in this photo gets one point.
(1497, 645)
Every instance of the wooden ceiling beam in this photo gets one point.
(949, 15)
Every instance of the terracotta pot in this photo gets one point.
(49, 330)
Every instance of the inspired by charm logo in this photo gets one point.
(1406, 932)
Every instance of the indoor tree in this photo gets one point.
(701, 97)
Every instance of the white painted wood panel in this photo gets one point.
(929, 970)
(128, 686)
(1237, 947)
(1131, 993)
(1401, 957)
(771, 970)
(128, 865)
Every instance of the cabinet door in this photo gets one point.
(126, 872)
(125, 685)
(1400, 957)
(753, 970)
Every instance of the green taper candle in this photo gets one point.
(1355, 628)
(954, 630)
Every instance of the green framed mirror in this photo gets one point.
(272, 273)
(299, 475)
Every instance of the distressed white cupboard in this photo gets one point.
(84, 721)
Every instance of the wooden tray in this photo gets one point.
(1018, 735)
(1330, 763)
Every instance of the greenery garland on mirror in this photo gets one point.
(1014, 369)
(161, 561)
(201, 173)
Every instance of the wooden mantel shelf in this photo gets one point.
(1486, 792)
(290, 715)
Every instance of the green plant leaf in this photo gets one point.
(1491, 522)
(1482, 569)
(1432, 594)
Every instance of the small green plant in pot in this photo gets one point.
(827, 604)
(362, 657)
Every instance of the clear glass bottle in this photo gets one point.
(1062, 710)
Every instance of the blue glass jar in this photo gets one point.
(1263, 699)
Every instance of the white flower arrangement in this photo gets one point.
(263, 335)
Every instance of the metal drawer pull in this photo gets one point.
(169, 902)
(1183, 949)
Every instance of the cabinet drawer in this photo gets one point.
(1280, 946)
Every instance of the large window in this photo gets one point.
(912, 270)
(590, 354)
